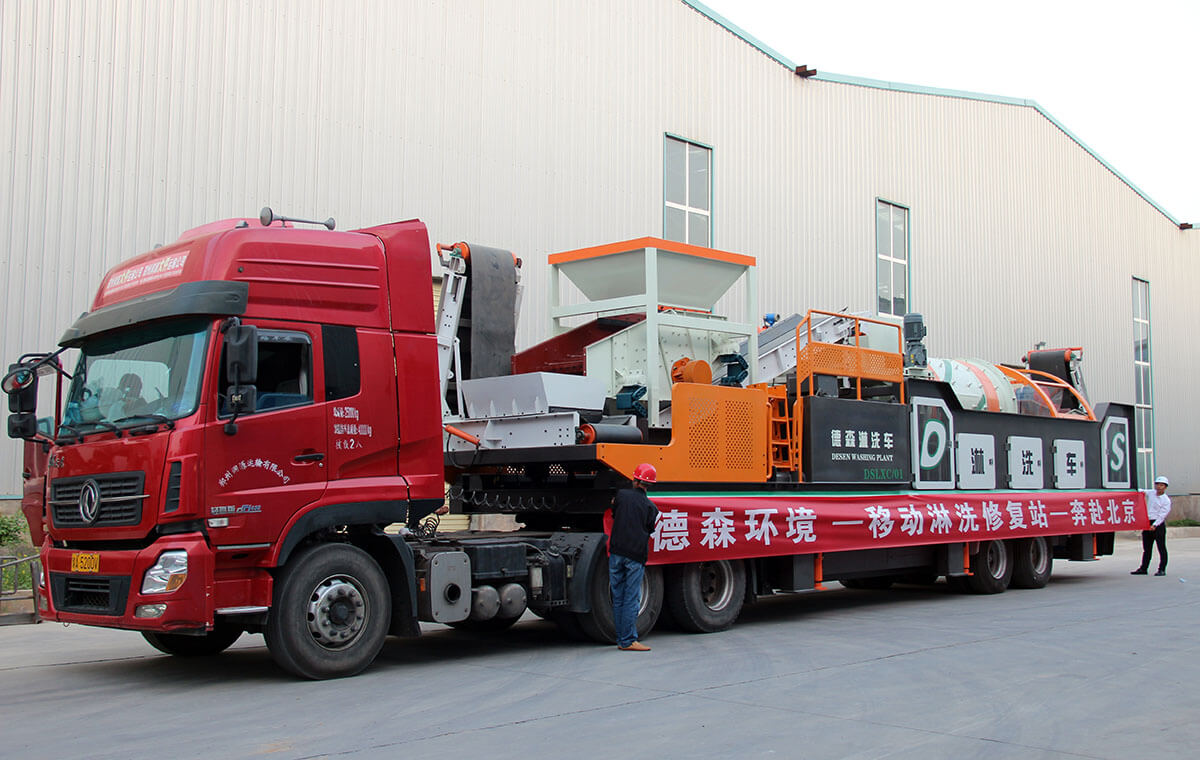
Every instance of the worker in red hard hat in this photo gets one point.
(633, 517)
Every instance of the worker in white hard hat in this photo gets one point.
(1158, 506)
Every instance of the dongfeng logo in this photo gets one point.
(89, 502)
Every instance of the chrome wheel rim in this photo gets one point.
(997, 559)
(1039, 557)
(337, 612)
(716, 584)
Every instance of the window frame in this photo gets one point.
(890, 257)
(274, 335)
(1143, 404)
(686, 207)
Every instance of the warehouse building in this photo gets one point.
(548, 125)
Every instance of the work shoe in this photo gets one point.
(636, 646)
(1139, 571)
(1161, 572)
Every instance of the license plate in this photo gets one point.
(85, 562)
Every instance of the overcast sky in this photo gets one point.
(1123, 77)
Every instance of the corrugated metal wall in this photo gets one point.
(538, 125)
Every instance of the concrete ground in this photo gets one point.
(1099, 664)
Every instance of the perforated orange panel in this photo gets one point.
(718, 435)
(850, 361)
(703, 423)
(739, 449)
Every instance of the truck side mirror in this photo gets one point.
(22, 425)
(21, 386)
(243, 399)
(241, 354)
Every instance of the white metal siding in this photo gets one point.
(537, 125)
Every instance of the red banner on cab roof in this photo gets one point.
(159, 268)
(705, 527)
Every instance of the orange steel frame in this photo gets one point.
(625, 246)
(1036, 380)
(718, 435)
(854, 361)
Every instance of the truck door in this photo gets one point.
(275, 463)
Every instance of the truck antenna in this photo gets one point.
(268, 217)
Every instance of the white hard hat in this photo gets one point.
(1162, 479)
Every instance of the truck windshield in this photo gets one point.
(137, 376)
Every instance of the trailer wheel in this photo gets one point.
(1032, 563)
(706, 596)
(330, 614)
(991, 568)
(220, 638)
(598, 623)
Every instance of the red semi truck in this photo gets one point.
(255, 403)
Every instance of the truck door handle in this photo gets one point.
(314, 457)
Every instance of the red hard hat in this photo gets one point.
(645, 473)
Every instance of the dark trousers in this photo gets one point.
(1149, 539)
(625, 582)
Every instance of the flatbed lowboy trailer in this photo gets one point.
(254, 405)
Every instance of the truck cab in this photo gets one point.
(236, 394)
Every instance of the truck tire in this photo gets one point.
(598, 623)
(704, 597)
(220, 638)
(991, 568)
(1032, 563)
(330, 613)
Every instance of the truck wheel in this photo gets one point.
(1032, 563)
(706, 596)
(991, 568)
(330, 614)
(220, 638)
(598, 623)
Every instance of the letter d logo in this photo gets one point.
(933, 444)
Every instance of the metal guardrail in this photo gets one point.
(10, 590)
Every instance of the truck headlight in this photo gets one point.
(168, 573)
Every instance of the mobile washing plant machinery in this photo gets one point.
(254, 403)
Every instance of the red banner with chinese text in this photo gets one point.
(705, 527)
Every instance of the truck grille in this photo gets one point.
(121, 499)
(94, 595)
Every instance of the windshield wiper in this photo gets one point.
(106, 425)
(155, 419)
(77, 434)
(60, 440)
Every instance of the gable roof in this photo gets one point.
(878, 84)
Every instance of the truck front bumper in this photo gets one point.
(104, 587)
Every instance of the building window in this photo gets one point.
(891, 258)
(1143, 393)
(687, 192)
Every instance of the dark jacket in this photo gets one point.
(632, 524)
